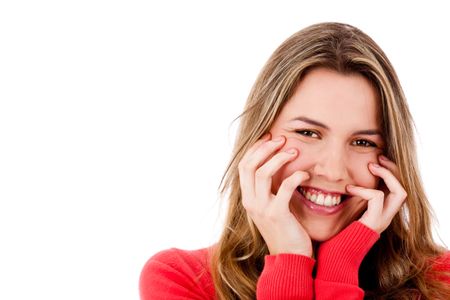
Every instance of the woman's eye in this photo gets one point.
(307, 133)
(361, 143)
(365, 143)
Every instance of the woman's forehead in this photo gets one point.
(333, 97)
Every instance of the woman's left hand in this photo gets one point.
(384, 204)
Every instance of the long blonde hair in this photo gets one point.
(397, 267)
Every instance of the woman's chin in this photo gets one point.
(323, 228)
(321, 236)
(322, 233)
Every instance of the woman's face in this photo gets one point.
(331, 120)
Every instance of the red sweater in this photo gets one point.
(178, 274)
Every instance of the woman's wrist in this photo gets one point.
(286, 274)
(305, 250)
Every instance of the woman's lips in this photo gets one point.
(320, 209)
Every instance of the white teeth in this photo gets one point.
(321, 199)
(335, 200)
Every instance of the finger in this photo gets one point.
(375, 198)
(389, 164)
(262, 153)
(397, 193)
(247, 189)
(288, 187)
(248, 165)
(256, 145)
(389, 179)
(263, 176)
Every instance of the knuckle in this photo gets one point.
(269, 146)
(379, 194)
(241, 164)
(261, 173)
(264, 147)
(284, 155)
(291, 182)
(301, 175)
(271, 143)
(244, 166)
(247, 206)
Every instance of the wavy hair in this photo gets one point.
(398, 265)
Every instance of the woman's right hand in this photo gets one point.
(270, 213)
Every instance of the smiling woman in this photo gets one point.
(340, 113)
(325, 196)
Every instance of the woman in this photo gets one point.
(315, 210)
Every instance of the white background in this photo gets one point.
(116, 125)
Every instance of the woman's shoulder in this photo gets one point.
(439, 267)
(181, 259)
(442, 261)
(177, 272)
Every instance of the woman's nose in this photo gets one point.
(331, 165)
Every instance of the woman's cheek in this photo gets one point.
(305, 158)
(362, 176)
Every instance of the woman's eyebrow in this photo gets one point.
(317, 123)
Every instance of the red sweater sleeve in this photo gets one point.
(176, 274)
(286, 276)
(289, 276)
(338, 261)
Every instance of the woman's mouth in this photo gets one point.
(319, 198)
(321, 203)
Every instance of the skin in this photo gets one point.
(332, 159)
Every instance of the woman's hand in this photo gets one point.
(381, 208)
(270, 213)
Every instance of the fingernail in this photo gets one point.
(382, 157)
(349, 186)
(375, 165)
(291, 151)
(278, 139)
